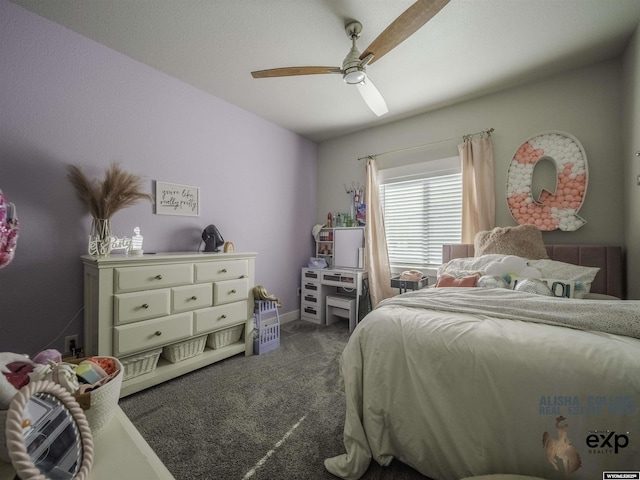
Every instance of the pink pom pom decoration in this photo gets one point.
(552, 210)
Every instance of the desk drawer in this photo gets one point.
(133, 307)
(128, 279)
(338, 279)
(311, 275)
(310, 287)
(311, 298)
(191, 297)
(311, 312)
(209, 319)
(223, 270)
(141, 336)
(230, 291)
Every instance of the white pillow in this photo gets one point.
(469, 264)
(497, 265)
(579, 275)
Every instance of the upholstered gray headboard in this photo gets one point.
(610, 279)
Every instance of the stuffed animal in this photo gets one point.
(15, 370)
(18, 370)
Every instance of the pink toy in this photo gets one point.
(8, 231)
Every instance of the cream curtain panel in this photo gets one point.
(377, 256)
(478, 185)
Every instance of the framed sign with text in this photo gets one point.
(176, 199)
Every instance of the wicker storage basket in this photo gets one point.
(224, 337)
(99, 405)
(140, 364)
(183, 350)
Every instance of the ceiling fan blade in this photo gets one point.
(290, 71)
(403, 27)
(372, 97)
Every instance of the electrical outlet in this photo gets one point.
(299, 291)
(70, 344)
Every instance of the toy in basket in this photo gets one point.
(99, 399)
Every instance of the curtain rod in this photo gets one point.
(464, 137)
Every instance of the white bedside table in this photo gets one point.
(120, 453)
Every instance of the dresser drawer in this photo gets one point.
(129, 279)
(222, 270)
(230, 291)
(191, 297)
(132, 307)
(140, 336)
(213, 318)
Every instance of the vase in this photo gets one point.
(100, 237)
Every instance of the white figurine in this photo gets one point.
(136, 242)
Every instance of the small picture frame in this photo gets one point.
(177, 199)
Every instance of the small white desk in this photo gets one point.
(120, 452)
(316, 284)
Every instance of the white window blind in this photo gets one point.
(421, 213)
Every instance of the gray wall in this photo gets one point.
(66, 99)
(631, 129)
(586, 103)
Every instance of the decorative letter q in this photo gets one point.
(552, 210)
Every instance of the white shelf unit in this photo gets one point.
(324, 245)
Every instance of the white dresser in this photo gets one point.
(135, 304)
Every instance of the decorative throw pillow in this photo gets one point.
(446, 280)
(522, 241)
(558, 288)
(533, 285)
(492, 281)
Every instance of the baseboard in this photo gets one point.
(290, 316)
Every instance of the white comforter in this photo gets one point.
(460, 394)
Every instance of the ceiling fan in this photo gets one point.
(354, 66)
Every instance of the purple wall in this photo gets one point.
(66, 99)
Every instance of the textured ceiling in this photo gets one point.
(470, 48)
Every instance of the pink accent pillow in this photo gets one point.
(446, 280)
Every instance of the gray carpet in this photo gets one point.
(264, 417)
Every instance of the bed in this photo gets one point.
(463, 382)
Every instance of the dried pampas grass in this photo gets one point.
(118, 190)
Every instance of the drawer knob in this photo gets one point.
(145, 305)
(233, 291)
(194, 297)
(158, 277)
(224, 270)
(158, 333)
(223, 317)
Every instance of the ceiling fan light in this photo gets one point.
(354, 77)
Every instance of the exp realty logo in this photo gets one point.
(561, 453)
(606, 442)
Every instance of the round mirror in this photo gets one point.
(47, 434)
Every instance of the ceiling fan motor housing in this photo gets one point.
(354, 71)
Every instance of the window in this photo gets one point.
(422, 208)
